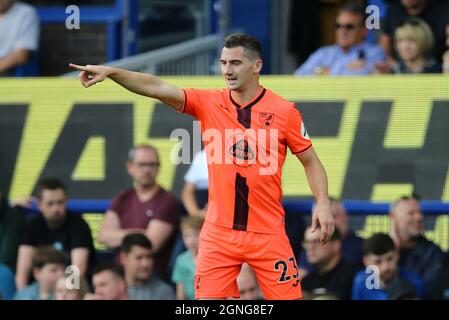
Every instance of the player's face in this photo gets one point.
(138, 263)
(408, 49)
(387, 264)
(107, 286)
(144, 167)
(350, 30)
(408, 218)
(239, 68)
(53, 206)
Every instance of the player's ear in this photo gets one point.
(258, 66)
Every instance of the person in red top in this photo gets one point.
(246, 130)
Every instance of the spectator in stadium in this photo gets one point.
(109, 284)
(352, 54)
(194, 192)
(68, 288)
(19, 34)
(413, 43)
(184, 270)
(440, 287)
(48, 265)
(446, 54)
(7, 283)
(380, 252)
(146, 208)
(12, 226)
(417, 254)
(331, 273)
(434, 12)
(137, 259)
(247, 283)
(351, 244)
(55, 226)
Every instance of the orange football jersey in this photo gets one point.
(246, 147)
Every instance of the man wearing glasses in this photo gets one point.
(145, 208)
(351, 55)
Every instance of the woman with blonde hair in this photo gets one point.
(414, 42)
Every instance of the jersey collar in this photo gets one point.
(251, 103)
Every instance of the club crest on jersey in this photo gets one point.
(266, 118)
(242, 150)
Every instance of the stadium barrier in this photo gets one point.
(379, 137)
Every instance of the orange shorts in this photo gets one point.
(223, 250)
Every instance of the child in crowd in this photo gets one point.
(48, 265)
(184, 270)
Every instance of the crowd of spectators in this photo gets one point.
(56, 258)
(414, 38)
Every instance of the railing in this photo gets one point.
(193, 57)
(303, 206)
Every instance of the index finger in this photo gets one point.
(330, 231)
(77, 67)
(324, 234)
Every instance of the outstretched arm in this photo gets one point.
(140, 83)
(316, 176)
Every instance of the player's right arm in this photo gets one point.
(140, 83)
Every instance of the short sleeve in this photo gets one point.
(29, 31)
(117, 204)
(80, 235)
(298, 139)
(177, 271)
(194, 103)
(168, 210)
(29, 236)
(197, 173)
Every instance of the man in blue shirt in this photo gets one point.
(382, 277)
(351, 55)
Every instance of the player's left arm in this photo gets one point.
(316, 176)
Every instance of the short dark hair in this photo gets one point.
(414, 196)
(49, 184)
(46, 255)
(336, 235)
(116, 271)
(249, 43)
(378, 244)
(135, 239)
(354, 8)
